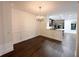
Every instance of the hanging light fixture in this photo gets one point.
(40, 17)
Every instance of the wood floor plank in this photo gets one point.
(41, 46)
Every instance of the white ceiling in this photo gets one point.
(48, 7)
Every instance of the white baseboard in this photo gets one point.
(1, 50)
(26, 38)
(6, 48)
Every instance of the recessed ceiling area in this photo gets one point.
(48, 7)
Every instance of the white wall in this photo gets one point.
(24, 25)
(67, 26)
(5, 28)
(15, 26)
(1, 31)
(77, 41)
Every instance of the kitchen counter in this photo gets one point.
(57, 34)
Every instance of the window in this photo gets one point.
(73, 26)
(56, 24)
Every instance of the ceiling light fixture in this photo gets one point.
(40, 17)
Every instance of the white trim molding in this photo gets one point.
(6, 48)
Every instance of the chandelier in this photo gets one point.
(40, 17)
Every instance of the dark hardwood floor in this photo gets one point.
(44, 47)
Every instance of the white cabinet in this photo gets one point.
(54, 34)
